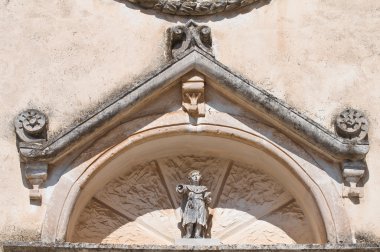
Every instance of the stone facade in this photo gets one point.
(106, 117)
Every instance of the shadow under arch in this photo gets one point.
(213, 139)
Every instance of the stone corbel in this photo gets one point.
(31, 131)
(352, 126)
(193, 101)
(36, 174)
(353, 171)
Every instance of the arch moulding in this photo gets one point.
(173, 134)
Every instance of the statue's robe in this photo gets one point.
(194, 208)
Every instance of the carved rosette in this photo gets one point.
(31, 126)
(184, 37)
(192, 7)
(351, 124)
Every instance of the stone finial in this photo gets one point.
(31, 126)
(193, 101)
(353, 171)
(184, 37)
(352, 124)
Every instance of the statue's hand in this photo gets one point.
(179, 188)
(208, 200)
(190, 205)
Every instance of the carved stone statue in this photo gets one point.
(194, 206)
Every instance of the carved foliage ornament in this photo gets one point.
(183, 37)
(192, 7)
(352, 124)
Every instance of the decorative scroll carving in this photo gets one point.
(183, 37)
(36, 173)
(193, 101)
(352, 124)
(192, 7)
(353, 171)
(31, 126)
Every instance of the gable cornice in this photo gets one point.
(286, 118)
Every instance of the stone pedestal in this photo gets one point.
(197, 242)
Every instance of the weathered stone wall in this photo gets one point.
(67, 57)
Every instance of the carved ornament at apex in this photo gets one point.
(192, 7)
(184, 37)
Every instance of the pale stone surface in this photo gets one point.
(65, 57)
(197, 242)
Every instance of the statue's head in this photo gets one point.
(194, 176)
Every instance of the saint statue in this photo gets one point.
(194, 206)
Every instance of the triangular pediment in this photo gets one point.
(197, 107)
(226, 82)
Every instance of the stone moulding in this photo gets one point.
(192, 7)
(274, 110)
(77, 247)
(271, 109)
